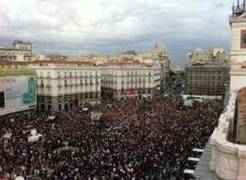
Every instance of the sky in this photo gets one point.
(77, 27)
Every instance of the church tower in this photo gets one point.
(238, 46)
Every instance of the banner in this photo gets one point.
(17, 93)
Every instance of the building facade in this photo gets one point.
(21, 45)
(21, 51)
(203, 56)
(158, 55)
(122, 80)
(64, 85)
(207, 79)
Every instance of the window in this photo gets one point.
(60, 107)
(2, 100)
(42, 83)
(49, 107)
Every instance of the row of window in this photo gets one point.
(207, 78)
(69, 85)
(126, 81)
(14, 53)
(127, 86)
(88, 95)
(69, 75)
(124, 75)
(206, 83)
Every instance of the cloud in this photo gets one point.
(115, 24)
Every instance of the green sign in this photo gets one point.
(30, 96)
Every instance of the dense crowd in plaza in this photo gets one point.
(134, 139)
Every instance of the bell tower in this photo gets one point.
(238, 45)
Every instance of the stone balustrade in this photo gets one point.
(228, 160)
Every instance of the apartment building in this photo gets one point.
(64, 85)
(122, 80)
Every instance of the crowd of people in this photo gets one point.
(133, 139)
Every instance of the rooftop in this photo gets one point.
(45, 62)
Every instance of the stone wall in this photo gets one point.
(228, 160)
(241, 125)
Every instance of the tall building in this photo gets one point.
(18, 91)
(21, 51)
(207, 79)
(207, 72)
(122, 80)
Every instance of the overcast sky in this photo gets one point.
(83, 26)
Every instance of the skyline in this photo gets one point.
(106, 26)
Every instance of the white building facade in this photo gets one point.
(64, 85)
(122, 80)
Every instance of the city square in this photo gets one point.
(122, 90)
